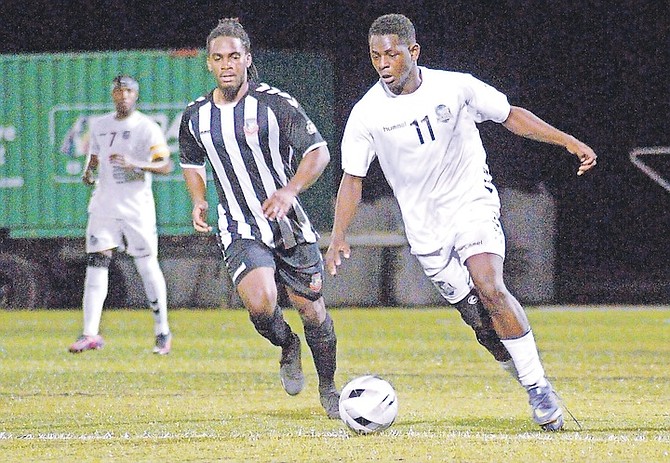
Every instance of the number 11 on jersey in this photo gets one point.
(417, 125)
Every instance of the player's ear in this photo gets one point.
(414, 51)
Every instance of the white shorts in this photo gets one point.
(479, 233)
(137, 237)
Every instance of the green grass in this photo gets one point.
(217, 396)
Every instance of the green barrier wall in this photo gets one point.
(46, 100)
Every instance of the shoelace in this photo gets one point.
(565, 407)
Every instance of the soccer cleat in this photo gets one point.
(330, 400)
(163, 344)
(86, 342)
(546, 409)
(290, 367)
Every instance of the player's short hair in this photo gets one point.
(394, 24)
(230, 27)
(125, 81)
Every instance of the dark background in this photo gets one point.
(596, 69)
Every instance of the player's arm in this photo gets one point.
(526, 124)
(348, 197)
(309, 170)
(196, 184)
(88, 177)
(161, 162)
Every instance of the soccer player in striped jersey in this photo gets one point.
(126, 148)
(263, 150)
(421, 125)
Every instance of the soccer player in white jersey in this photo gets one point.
(421, 125)
(263, 150)
(126, 148)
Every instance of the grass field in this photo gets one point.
(217, 396)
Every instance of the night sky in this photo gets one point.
(599, 70)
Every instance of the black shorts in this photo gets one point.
(299, 268)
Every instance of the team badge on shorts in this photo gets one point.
(316, 283)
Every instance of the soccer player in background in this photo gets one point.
(126, 148)
(263, 150)
(421, 125)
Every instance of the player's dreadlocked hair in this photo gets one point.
(394, 24)
(231, 27)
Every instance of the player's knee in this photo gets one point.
(99, 259)
(493, 293)
(260, 303)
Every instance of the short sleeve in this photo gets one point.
(485, 103)
(357, 145)
(191, 154)
(301, 133)
(157, 144)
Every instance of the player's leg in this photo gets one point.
(102, 235)
(252, 268)
(142, 245)
(482, 250)
(453, 282)
(301, 270)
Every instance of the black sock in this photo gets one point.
(323, 344)
(274, 328)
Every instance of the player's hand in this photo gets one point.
(199, 215)
(278, 204)
(88, 177)
(122, 161)
(585, 154)
(337, 249)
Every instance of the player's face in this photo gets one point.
(395, 62)
(125, 100)
(228, 62)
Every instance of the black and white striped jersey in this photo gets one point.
(252, 147)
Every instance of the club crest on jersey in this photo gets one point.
(316, 283)
(443, 113)
(250, 126)
(310, 127)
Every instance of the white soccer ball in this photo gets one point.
(368, 404)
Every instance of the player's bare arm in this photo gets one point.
(89, 171)
(160, 165)
(309, 170)
(526, 124)
(348, 197)
(196, 183)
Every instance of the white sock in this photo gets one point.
(526, 359)
(154, 286)
(508, 366)
(95, 293)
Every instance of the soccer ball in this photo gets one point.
(368, 404)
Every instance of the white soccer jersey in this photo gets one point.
(120, 193)
(429, 149)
